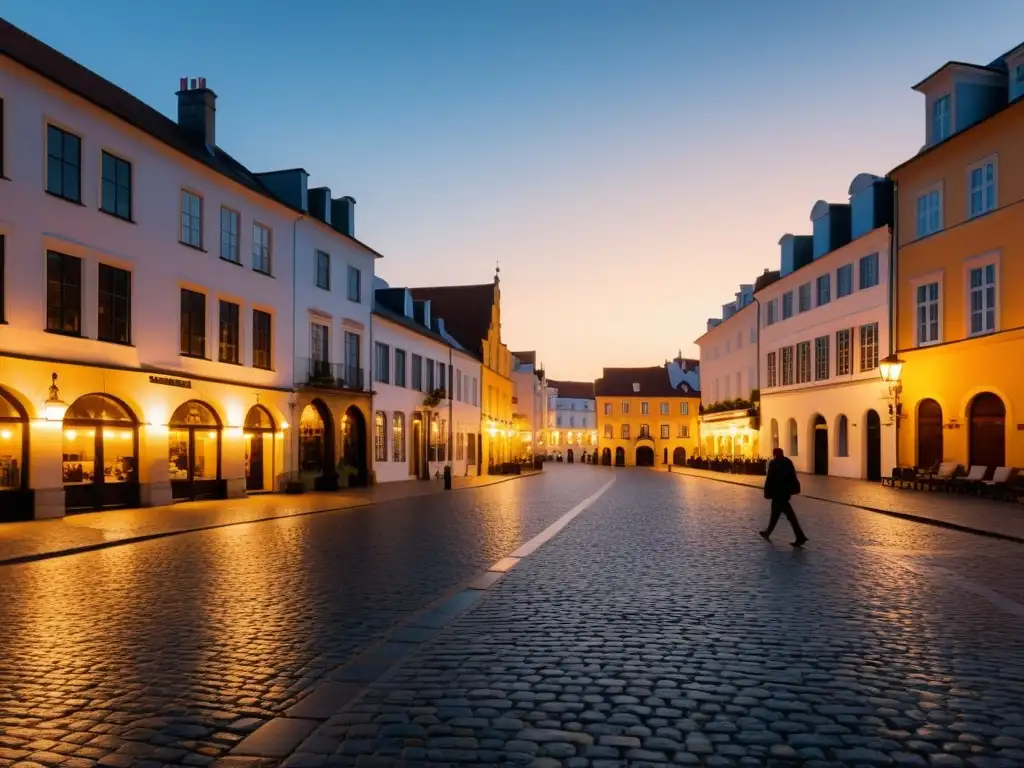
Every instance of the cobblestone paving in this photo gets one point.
(659, 629)
(170, 651)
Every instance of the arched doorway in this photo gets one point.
(873, 445)
(99, 446)
(15, 497)
(794, 438)
(259, 449)
(842, 436)
(679, 456)
(774, 429)
(606, 457)
(316, 447)
(353, 447)
(644, 456)
(929, 433)
(820, 445)
(569, 458)
(194, 446)
(664, 455)
(987, 416)
(620, 457)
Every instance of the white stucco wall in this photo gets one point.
(728, 358)
(853, 394)
(391, 399)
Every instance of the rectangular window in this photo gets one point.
(431, 384)
(230, 222)
(442, 378)
(382, 364)
(787, 305)
(261, 244)
(665, 433)
(320, 351)
(645, 430)
(787, 366)
(844, 281)
(803, 362)
(868, 271)
(983, 189)
(821, 358)
(261, 339)
(772, 370)
(664, 409)
(607, 409)
(684, 430)
(115, 305)
(63, 293)
(417, 372)
(3, 250)
(625, 432)
(772, 312)
(608, 430)
(229, 333)
(63, 164)
(927, 314)
(684, 409)
(191, 219)
(940, 119)
(824, 289)
(354, 284)
(353, 360)
(116, 191)
(398, 437)
(983, 299)
(804, 293)
(193, 323)
(399, 367)
(625, 406)
(645, 408)
(471, 448)
(458, 385)
(844, 357)
(869, 347)
(929, 213)
(323, 270)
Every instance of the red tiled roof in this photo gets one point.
(466, 310)
(582, 390)
(618, 382)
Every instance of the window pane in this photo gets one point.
(69, 182)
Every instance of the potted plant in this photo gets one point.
(345, 474)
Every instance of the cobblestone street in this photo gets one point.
(659, 628)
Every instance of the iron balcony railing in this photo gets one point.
(321, 373)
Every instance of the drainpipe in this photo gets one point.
(757, 320)
(894, 296)
(294, 436)
(448, 391)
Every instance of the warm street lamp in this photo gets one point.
(891, 371)
(54, 408)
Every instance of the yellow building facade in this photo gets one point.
(645, 420)
(960, 240)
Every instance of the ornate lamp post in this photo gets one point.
(891, 371)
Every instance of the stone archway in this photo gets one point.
(679, 456)
(606, 457)
(644, 456)
(620, 457)
(819, 429)
(353, 447)
(317, 465)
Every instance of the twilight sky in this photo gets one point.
(628, 162)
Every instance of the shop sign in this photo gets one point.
(168, 381)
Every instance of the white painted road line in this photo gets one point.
(544, 536)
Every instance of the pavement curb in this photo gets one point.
(37, 556)
(877, 510)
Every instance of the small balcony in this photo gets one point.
(321, 373)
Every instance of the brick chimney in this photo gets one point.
(197, 111)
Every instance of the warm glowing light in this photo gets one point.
(235, 414)
(891, 369)
(5, 434)
(232, 432)
(284, 425)
(70, 434)
(125, 434)
(212, 435)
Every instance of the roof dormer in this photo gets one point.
(1015, 72)
(870, 204)
(797, 251)
(958, 95)
(831, 226)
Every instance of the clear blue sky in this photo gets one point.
(629, 163)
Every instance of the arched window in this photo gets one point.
(380, 437)
(13, 439)
(100, 445)
(794, 441)
(194, 447)
(398, 436)
(842, 436)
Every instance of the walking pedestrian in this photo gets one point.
(780, 484)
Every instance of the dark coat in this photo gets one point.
(781, 481)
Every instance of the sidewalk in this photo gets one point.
(40, 539)
(1001, 519)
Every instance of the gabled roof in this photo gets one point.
(654, 382)
(382, 310)
(54, 66)
(527, 358)
(466, 310)
(580, 390)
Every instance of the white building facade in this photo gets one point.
(824, 328)
(728, 367)
(426, 404)
(572, 419)
(530, 401)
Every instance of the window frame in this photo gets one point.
(980, 165)
(118, 162)
(666, 432)
(322, 258)
(400, 370)
(398, 453)
(65, 294)
(936, 189)
(844, 352)
(804, 369)
(771, 369)
(922, 281)
(224, 209)
(232, 325)
(845, 269)
(787, 295)
(183, 192)
(861, 346)
(823, 281)
(771, 316)
(380, 436)
(50, 157)
(257, 334)
(981, 261)
(416, 372)
(113, 299)
(803, 292)
(266, 250)
(861, 262)
(822, 357)
(187, 350)
(937, 135)
(382, 362)
(684, 408)
(787, 366)
(351, 272)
